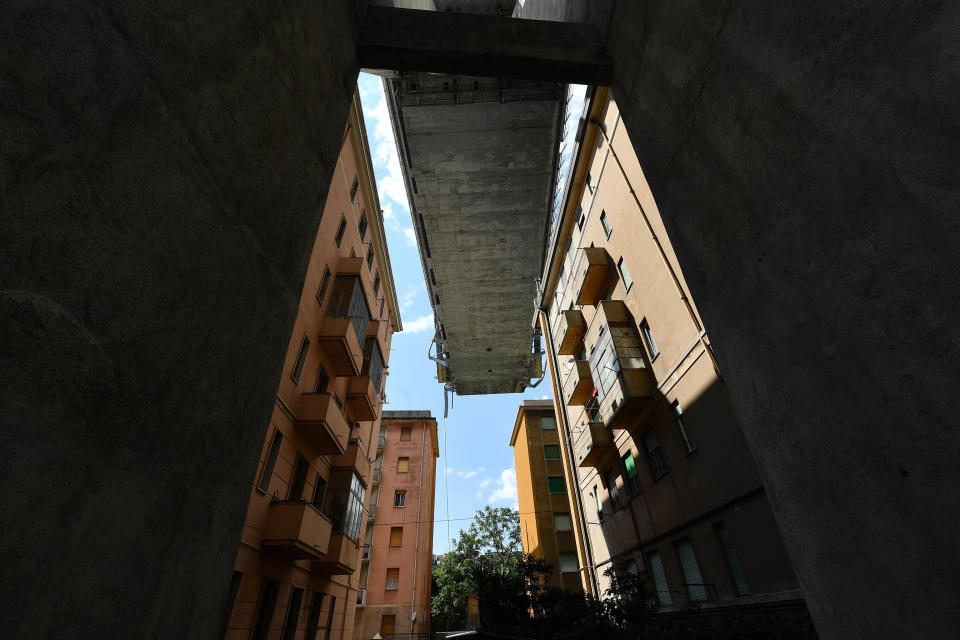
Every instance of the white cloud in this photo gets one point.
(485, 483)
(506, 487)
(423, 323)
(544, 397)
(408, 297)
(383, 145)
(449, 470)
(467, 475)
(479, 495)
(410, 236)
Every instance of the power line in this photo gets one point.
(449, 520)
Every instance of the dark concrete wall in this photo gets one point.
(806, 160)
(163, 170)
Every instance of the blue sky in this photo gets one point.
(476, 466)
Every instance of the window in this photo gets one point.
(607, 229)
(354, 187)
(393, 579)
(271, 461)
(567, 562)
(300, 469)
(313, 621)
(330, 611)
(733, 561)
(562, 522)
(396, 536)
(370, 258)
(324, 285)
(590, 182)
(362, 225)
(268, 603)
(681, 424)
(696, 590)
(659, 579)
(323, 380)
(556, 484)
(388, 624)
(301, 358)
(612, 488)
(337, 401)
(658, 466)
(319, 491)
(548, 422)
(596, 498)
(625, 275)
(293, 614)
(551, 451)
(399, 498)
(403, 465)
(373, 364)
(341, 230)
(580, 218)
(348, 518)
(376, 285)
(406, 433)
(630, 469)
(648, 338)
(382, 300)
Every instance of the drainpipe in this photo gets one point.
(581, 514)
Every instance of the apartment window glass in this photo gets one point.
(293, 614)
(231, 600)
(551, 451)
(373, 364)
(733, 561)
(393, 579)
(556, 484)
(624, 274)
(692, 579)
(376, 285)
(399, 498)
(265, 610)
(362, 225)
(580, 218)
(403, 465)
(330, 612)
(354, 187)
(396, 536)
(567, 562)
(596, 498)
(590, 182)
(324, 285)
(659, 579)
(319, 491)
(301, 358)
(300, 470)
(607, 229)
(630, 471)
(354, 511)
(271, 461)
(648, 338)
(349, 301)
(548, 422)
(612, 488)
(562, 522)
(651, 444)
(341, 230)
(406, 433)
(370, 258)
(682, 425)
(313, 620)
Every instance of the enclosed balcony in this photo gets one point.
(343, 331)
(342, 558)
(297, 530)
(592, 275)
(578, 385)
(625, 385)
(363, 391)
(592, 444)
(322, 424)
(355, 459)
(570, 331)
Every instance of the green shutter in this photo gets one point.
(630, 465)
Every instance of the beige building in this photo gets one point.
(397, 554)
(546, 523)
(658, 469)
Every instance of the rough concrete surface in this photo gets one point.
(806, 160)
(163, 169)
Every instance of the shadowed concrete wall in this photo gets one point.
(806, 162)
(164, 167)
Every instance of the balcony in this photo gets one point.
(376, 474)
(372, 511)
(592, 444)
(625, 385)
(365, 553)
(592, 275)
(361, 597)
(343, 331)
(578, 386)
(357, 268)
(572, 328)
(321, 423)
(342, 556)
(355, 459)
(362, 401)
(297, 530)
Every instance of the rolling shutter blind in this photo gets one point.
(691, 572)
(733, 562)
(659, 579)
(403, 465)
(396, 536)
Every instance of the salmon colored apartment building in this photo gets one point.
(397, 561)
(297, 570)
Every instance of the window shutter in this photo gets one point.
(659, 579)
(403, 465)
(691, 572)
(733, 562)
(396, 536)
(630, 465)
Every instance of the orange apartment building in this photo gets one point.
(657, 468)
(397, 560)
(546, 524)
(297, 569)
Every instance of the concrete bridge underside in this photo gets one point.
(479, 156)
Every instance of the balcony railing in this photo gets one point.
(362, 401)
(592, 275)
(296, 529)
(365, 552)
(391, 585)
(343, 331)
(354, 458)
(376, 474)
(320, 422)
(592, 444)
(571, 329)
(342, 556)
(361, 597)
(381, 440)
(578, 385)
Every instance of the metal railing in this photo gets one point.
(392, 585)
(366, 552)
(381, 440)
